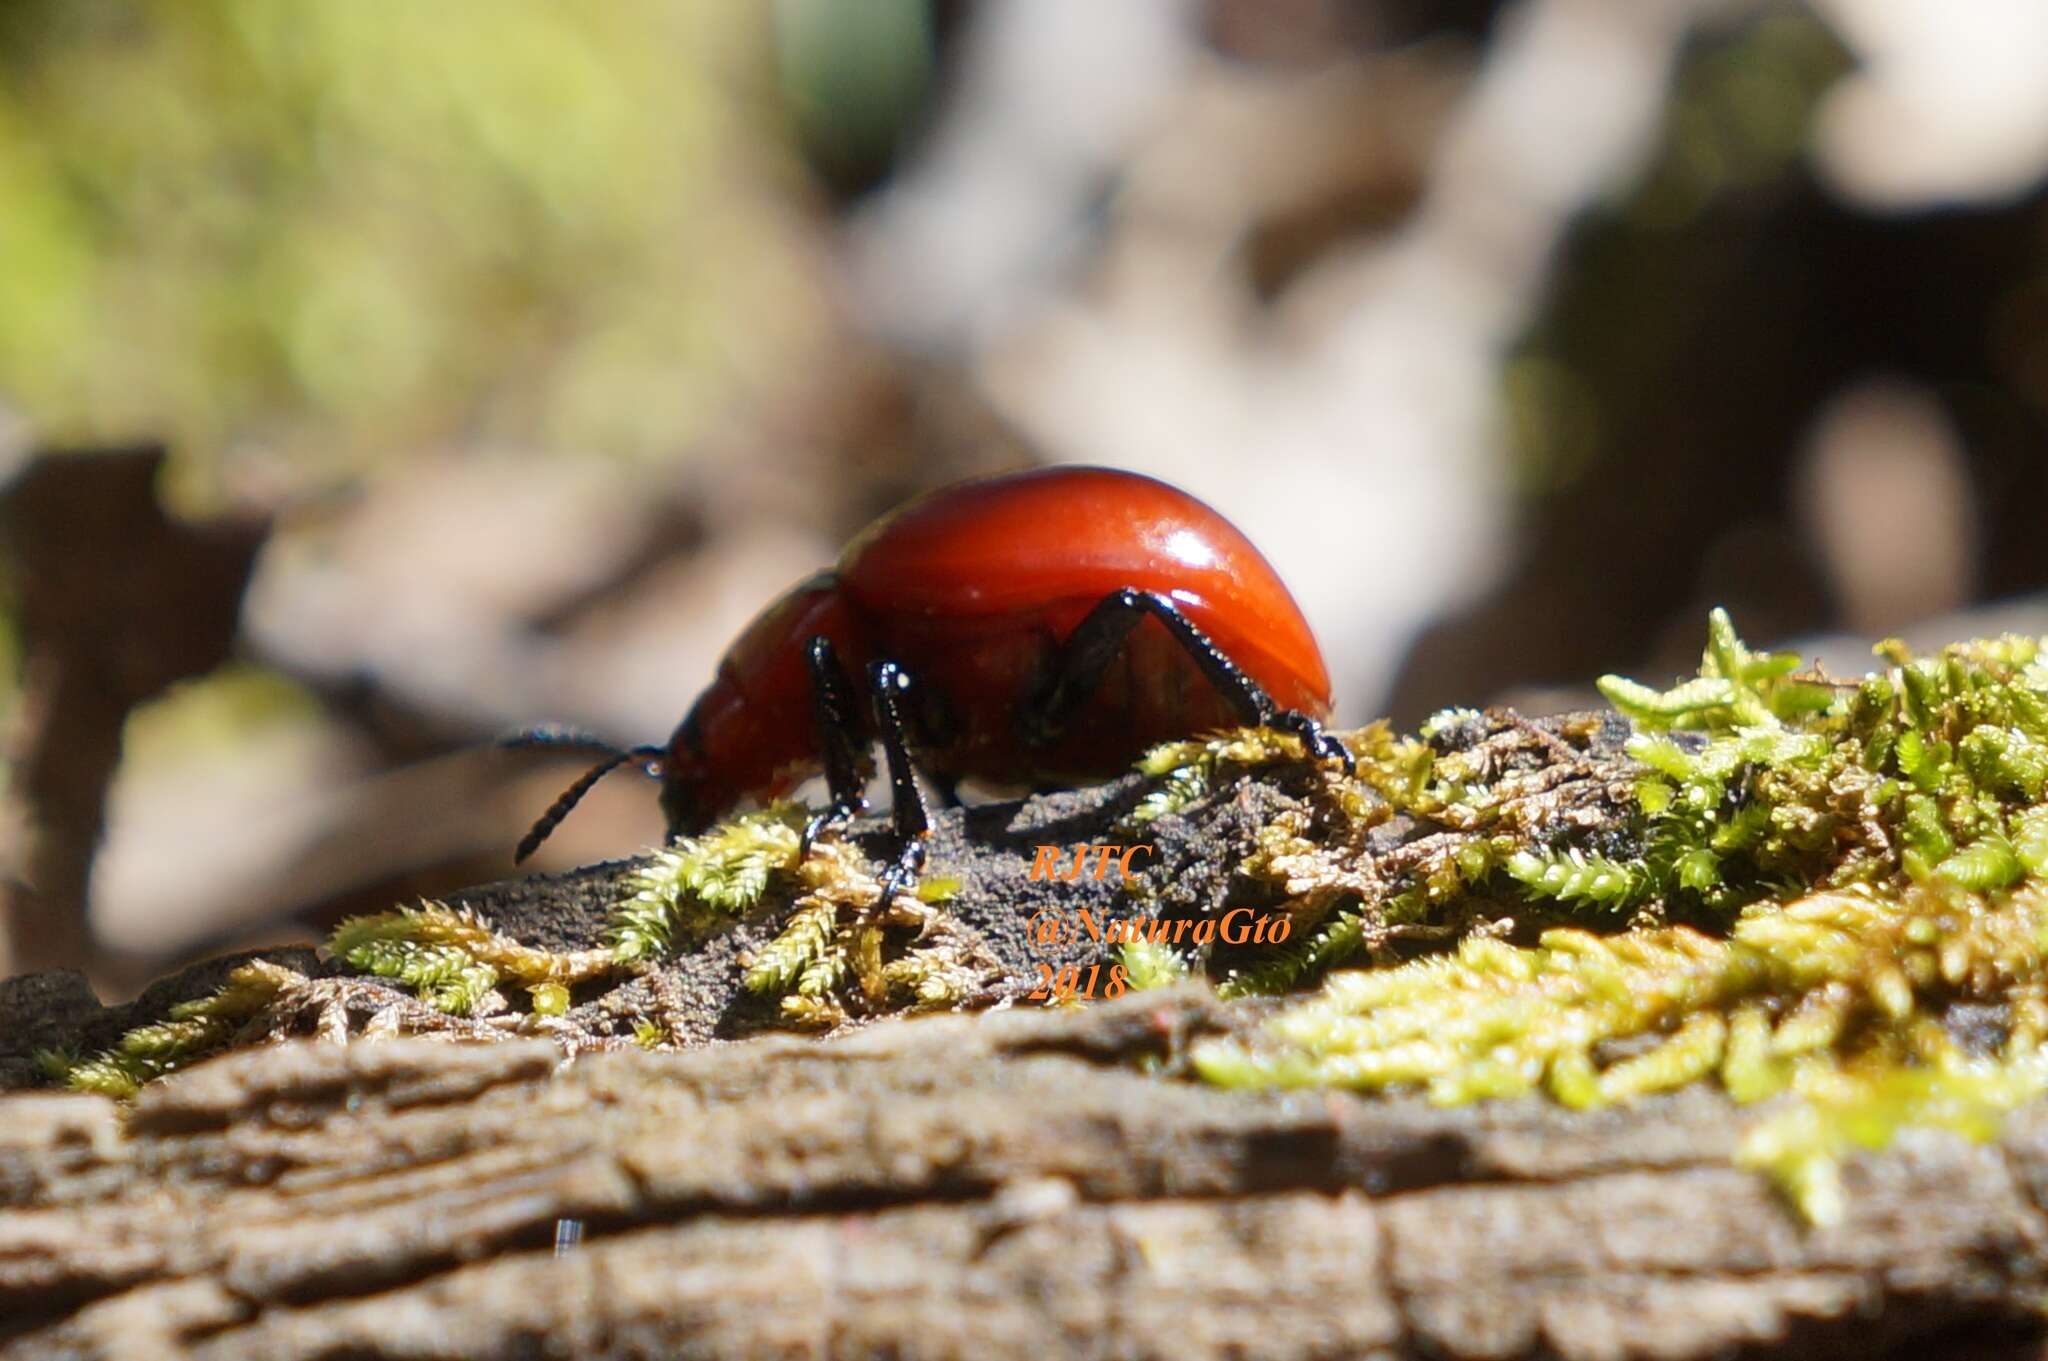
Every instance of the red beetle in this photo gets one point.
(1036, 627)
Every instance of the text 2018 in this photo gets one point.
(1058, 985)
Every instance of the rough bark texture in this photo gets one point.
(1022, 1183)
(1007, 1185)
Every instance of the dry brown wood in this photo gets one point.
(1004, 1185)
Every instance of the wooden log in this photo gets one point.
(1005, 1185)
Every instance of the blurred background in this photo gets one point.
(378, 376)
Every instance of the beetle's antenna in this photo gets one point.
(556, 735)
(573, 795)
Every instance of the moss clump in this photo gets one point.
(455, 960)
(452, 958)
(689, 889)
(1190, 771)
(840, 953)
(1313, 855)
(1467, 804)
(1848, 862)
(844, 952)
(1150, 964)
(192, 1031)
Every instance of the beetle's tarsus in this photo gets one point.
(826, 820)
(901, 877)
(1321, 746)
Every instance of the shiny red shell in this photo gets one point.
(972, 589)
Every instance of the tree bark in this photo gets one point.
(1005, 1185)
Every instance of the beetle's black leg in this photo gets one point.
(842, 740)
(889, 684)
(573, 795)
(842, 743)
(1095, 642)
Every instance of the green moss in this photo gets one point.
(843, 952)
(1575, 877)
(832, 958)
(1190, 771)
(1776, 881)
(1810, 874)
(793, 955)
(686, 890)
(1336, 940)
(1843, 1109)
(1149, 964)
(444, 975)
(453, 958)
(190, 1032)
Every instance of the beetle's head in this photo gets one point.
(688, 805)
